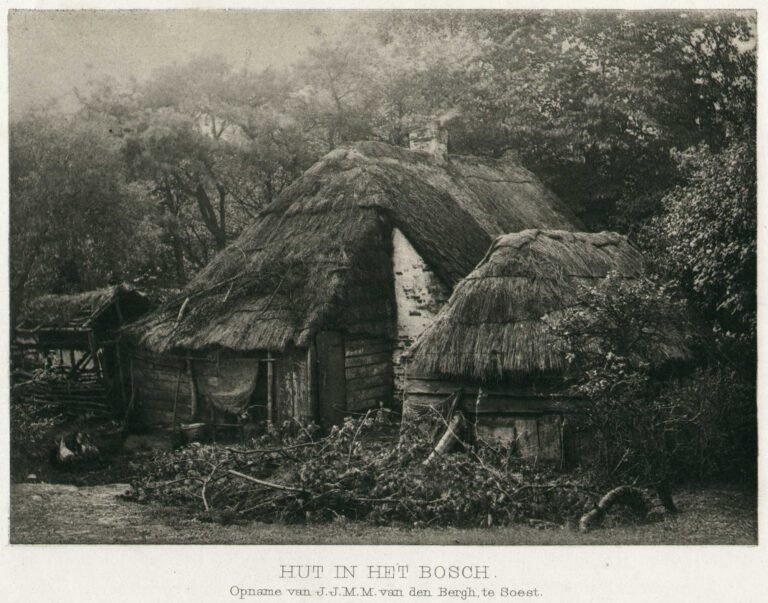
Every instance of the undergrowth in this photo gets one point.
(358, 473)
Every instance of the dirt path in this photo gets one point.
(64, 514)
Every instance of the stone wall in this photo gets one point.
(419, 295)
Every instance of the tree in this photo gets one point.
(593, 103)
(75, 223)
(213, 146)
(653, 421)
(706, 237)
(337, 90)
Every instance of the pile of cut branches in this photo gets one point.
(356, 472)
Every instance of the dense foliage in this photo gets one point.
(75, 222)
(652, 422)
(602, 106)
(706, 239)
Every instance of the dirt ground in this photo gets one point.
(67, 514)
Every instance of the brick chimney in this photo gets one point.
(430, 140)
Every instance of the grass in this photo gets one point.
(47, 513)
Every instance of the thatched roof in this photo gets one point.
(79, 310)
(493, 325)
(320, 255)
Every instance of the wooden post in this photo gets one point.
(95, 354)
(404, 407)
(119, 361)
(192, 391)
(478, 403)
(270, 392)
(176, 399)
(311, 381)
(449, 439)
(129, 407)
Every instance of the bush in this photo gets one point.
(653, 421)
(706, 237)
(719, 439)
(32, 427)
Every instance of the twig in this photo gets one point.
(304, 429)
(270, 450)
(263, 503)
(205, 485)
(354, 438)
(154, 485)
(180, 315)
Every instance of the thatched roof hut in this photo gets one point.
(320, 295)
(81, 331)
(80, 312)
(320, 255)
(490, 341)
(493, 325)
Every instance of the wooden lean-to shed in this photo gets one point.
(75, 337)
(307, 313)
(491, 336)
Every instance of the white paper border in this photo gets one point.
(205, 573)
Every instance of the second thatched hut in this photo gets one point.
(491, 343)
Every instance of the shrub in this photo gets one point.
(32, 427)
(652, 420)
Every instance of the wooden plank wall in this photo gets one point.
(155, 379)
(368, 368)
(538, 421)
(536, 436)
(501, 399)
(292, 386)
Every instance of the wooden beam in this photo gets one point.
(119, 360)
(312, 380)
(192, 390)
(270, 390)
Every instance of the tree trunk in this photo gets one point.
(208, 215)
(222, 217)
(665, 496)
(178, 256)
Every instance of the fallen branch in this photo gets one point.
(272, 450)
(665, 496)
(449, 439)
(267, 484)
(632, 497)
(205, 485)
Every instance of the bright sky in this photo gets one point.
(52, 52)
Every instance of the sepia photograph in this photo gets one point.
(382, 277)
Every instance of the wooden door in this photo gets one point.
(331, 378)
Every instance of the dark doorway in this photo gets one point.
(331, 378)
